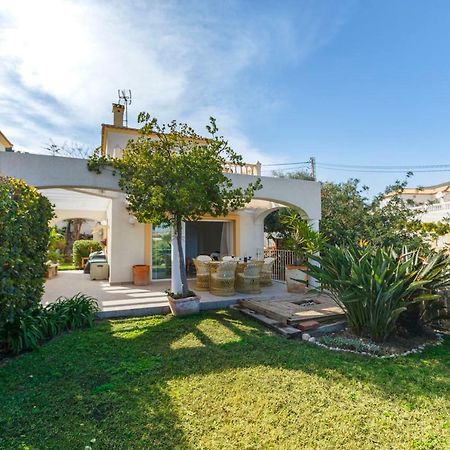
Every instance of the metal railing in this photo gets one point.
(282, 258)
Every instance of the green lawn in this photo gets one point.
(66, 266)
(218, 381)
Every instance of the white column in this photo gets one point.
(315, 225)
(249, 235)
(126, 240)
(175, 283)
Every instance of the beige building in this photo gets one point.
(5, 143)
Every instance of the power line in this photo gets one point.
(356, 166)
(424, 168)
(286, 164)
(383, 170)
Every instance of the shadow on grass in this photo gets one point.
(111, 383)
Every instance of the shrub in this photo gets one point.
(83, 248)
(24, 235)
(374, 286)
(55, 246)
(75, 312)
(28, 328)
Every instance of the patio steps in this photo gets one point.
(293, 316)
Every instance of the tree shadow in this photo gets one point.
(120, 373)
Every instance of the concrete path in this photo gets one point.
(131, 300)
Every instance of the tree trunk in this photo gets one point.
(77, 223)
(183, 276)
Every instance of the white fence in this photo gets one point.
(433, 207)
(282, 258)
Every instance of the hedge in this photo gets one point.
(24, 235)
(82, 249)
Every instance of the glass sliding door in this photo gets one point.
(161, 252)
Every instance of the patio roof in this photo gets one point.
(77, 199)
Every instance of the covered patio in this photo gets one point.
(129, 300)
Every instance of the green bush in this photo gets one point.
(24, 235)
(375, 286)
(28, 328)
(83, 248)
(56, 246)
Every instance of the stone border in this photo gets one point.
(439, 340)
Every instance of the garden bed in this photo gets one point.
(397, 345)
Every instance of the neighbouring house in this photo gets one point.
(5, 144)
(433, 202)
(78, 193)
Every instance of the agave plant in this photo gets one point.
(374, 286)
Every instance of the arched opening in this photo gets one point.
(79, 215)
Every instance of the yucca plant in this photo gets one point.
(374, 286)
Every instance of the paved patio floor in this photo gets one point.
(131, 300)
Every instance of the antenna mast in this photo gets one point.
(125, 97)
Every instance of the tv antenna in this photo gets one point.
(125, 97)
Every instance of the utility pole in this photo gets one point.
(312, 161)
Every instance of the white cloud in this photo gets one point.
(61, 62)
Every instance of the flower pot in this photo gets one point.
(141, 274)
(294, 273)
(184, 306)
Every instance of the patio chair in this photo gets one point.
(201, 274)
(222, 277)
(266, 272)
(228, 258)
(248, 281)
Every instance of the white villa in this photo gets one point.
(435, 201)
(78, 193)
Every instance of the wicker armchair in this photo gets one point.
(248, 277)
(222, 277)
(201, 274)
(266, 272)
(204, 258)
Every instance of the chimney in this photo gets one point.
(118, 114)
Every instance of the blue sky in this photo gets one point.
(347, 81)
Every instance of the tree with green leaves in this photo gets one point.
(349, 216)
(171, 175)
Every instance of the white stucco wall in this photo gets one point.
(117, 140)
(125, 242)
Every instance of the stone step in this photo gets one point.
(285, 330)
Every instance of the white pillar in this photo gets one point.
(315, 225)
(126, 240)
(175, 283)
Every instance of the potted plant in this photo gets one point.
(183, 304)
(303, 241)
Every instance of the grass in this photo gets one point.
(218, 381)
(67, 266)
